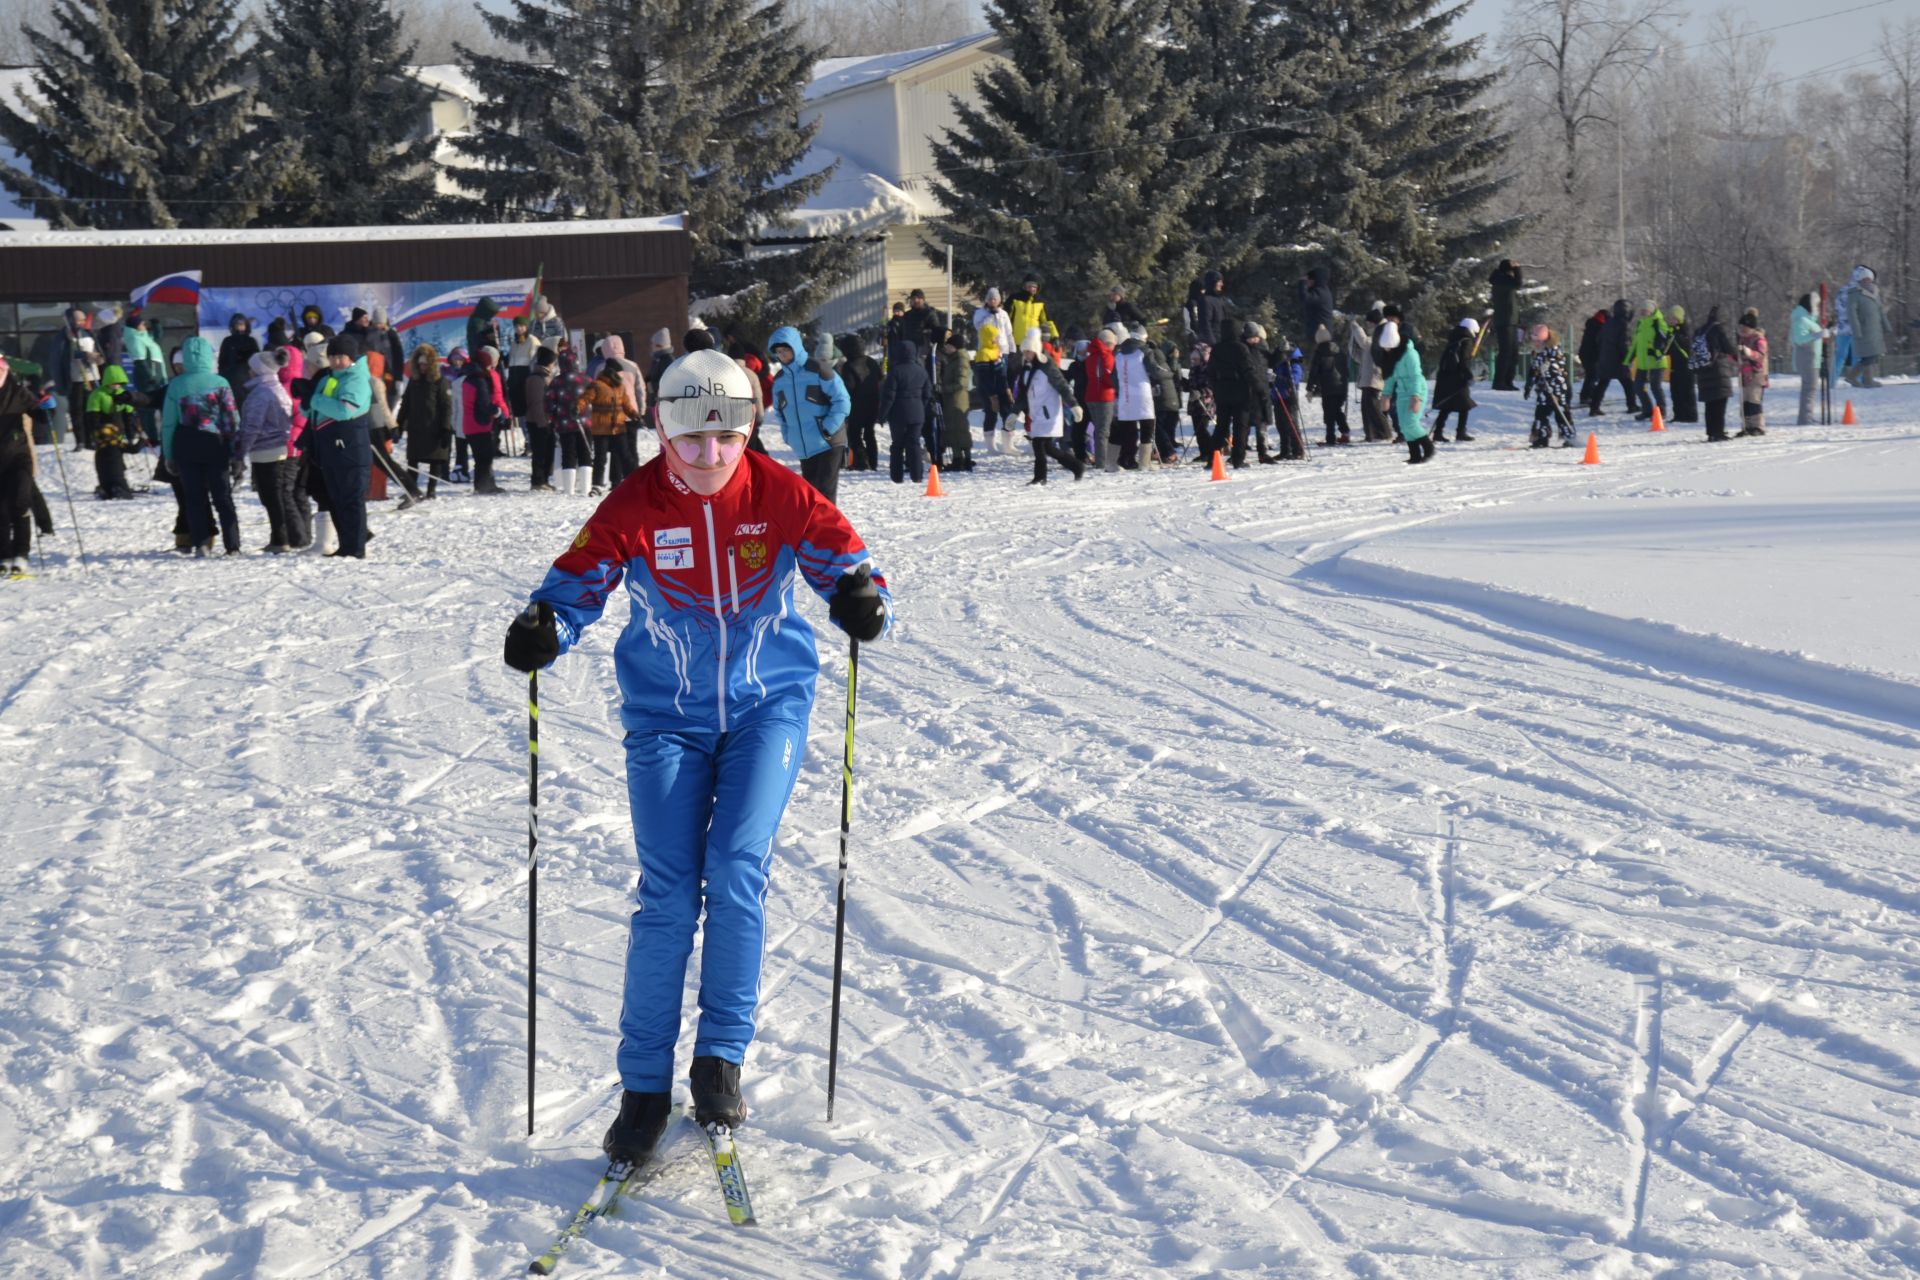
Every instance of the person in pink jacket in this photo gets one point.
(483, 409)
(296, 505)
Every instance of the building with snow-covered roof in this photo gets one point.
(878, 118)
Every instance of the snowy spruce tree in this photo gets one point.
(1064, 169)
(1247, 120)
(136, 118)
(1404, 157)
(635, 108)
(351, 125)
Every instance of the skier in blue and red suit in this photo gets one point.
(717, 670)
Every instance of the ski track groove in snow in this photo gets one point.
(1213, 911)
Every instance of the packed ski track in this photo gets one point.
(1215, 909)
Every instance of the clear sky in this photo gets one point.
(1796, 50)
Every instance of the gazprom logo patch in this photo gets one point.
(681, 537)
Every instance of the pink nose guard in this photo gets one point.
(707, 451)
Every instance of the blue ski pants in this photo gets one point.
(706, 807)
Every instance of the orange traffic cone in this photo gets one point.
(1847, 419)
(933, 483)
(1659, 423)
(1219, 466)
(1593, 450)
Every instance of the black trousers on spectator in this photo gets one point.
(266, 486)
(540, 449)
(822, 471)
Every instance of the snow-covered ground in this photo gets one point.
(1499, 867)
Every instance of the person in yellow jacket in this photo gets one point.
(1647, 357)
(994, 340)
(1029, 312)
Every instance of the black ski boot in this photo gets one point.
(716, 1092)
(636, 1131)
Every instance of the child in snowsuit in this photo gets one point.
(1547, 385)
(1753, 375)
(717, 669)
(113, 424)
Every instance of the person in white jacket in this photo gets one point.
(1133, 403)
(1043, 400)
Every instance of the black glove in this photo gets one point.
(531, 641)
(856, 607)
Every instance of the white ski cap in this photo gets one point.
(1470, 325)
(707, 391)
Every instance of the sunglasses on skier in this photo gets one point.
(707, 412)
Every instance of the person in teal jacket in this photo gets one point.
(811, 404)
(199, 426)
(148, 365)
(1406, 390)
(1869, 321)
(196, 380)
(1805, 333)
(338, 441)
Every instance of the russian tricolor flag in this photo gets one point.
(181, 288)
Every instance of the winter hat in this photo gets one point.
(546, 357)
(1651, 307)
(993, 294)
(488, 358)
(106, 316)
(1470, 325)
(1030, 344)
(1750, 318)
(379, 315)
(1677, 314)
(697, 338)
(1389, 335)
(662, 340)
(1138, 333)
(314, 342)
(458, 353)
(1251, 330)
(359, 314)
(706, 391)
(344, 345)
(268, 363)
(1111, 336)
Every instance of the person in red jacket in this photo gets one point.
(1102, 391)
(717, 669)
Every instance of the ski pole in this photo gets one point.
(59, 456)
(840, 909)
(533, 870)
